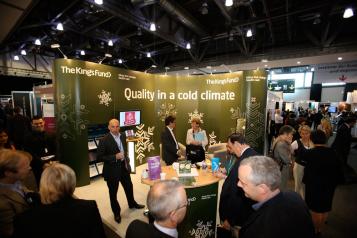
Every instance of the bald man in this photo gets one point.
(167, 202)
(113, 152)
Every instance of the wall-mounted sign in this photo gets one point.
(284, 85)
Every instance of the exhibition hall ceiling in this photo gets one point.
(119, 32)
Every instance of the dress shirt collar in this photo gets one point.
(115, 136)
(16, 187)
(244, 150)
(258, 205)
(169, 231)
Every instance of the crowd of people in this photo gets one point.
(255, 200)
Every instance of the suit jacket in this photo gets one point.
(139, 228)
(343, 140)
(284, 215)
(169, 150)
(11, 203)
(234, 206)
(68, 217)
(107, 148)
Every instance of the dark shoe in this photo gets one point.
(137, 206)
(117, 218)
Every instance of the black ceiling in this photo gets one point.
(279, 27)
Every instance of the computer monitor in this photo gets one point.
(332, 109)
(129, 118)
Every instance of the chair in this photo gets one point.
(182, 149)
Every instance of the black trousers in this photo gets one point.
(113, 185)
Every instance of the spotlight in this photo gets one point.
(83, 52)
(110, 43)
(339, 58)
(188, 45)
(148, 54)
(229, 3)
(99, 2)
(59, 26)
(37, 42)
(204, 9)
(139, 33)
(249, 33)
(120, 61)
(16, 57)
(348, 13)
(152, 26)
(108, 55)
(23, 52)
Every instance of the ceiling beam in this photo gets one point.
(267, 13)
(224, 11)
(138, 21)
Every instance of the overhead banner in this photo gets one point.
(336, 73)
(90, 94)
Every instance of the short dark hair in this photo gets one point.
(318, 137)
(36, 117)
(169, 119)
(286, 129)
(237, 137)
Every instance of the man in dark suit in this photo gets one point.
(277, 214)
(167, 203)
(169, 143)
(234, 207)
(343, 140)
(113, 152)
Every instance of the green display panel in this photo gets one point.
(89, 93)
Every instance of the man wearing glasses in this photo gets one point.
(167, 203)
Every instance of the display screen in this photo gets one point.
(332, 109)
(129, 118)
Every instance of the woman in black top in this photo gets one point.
(321, 176)
(298, 148)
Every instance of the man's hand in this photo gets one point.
(221, 173)
(119, 156)
(226, 225)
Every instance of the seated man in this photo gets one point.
(167, 202)
(277, 214)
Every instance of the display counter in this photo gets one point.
(202, 193)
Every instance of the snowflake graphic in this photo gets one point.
(166, 110)
(212, 139)
(195, 114)
(104, 98)
(145, 142)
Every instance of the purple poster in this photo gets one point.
(154, 167)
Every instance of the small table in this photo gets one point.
(200, 220)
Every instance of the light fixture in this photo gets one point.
(110, 43)
(188, 45)
(265, 65)
(249, 33)
(230, 36)
(83, 52)
(23, 52)
(316, 21)
(37, 42)
(99, 2)
(108, 55)
(229, 3)
(148, 54)
(152, 26)
(59, 26)
(298, 62)
(120, 61)
(204, 8)
(187, 68)
(152, 66)
(57, 46)
(339, 58)
(54, 46)
(312, 69)
(348, 13)
(264, 60)
(16, 57)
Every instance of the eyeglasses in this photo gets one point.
(182, 206)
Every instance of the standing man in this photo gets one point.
(167, 202)
(14, 167)
(39, 143)
(113, 152)
(234, 207)
(170, 147)
(18, 126)
(277, 214)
